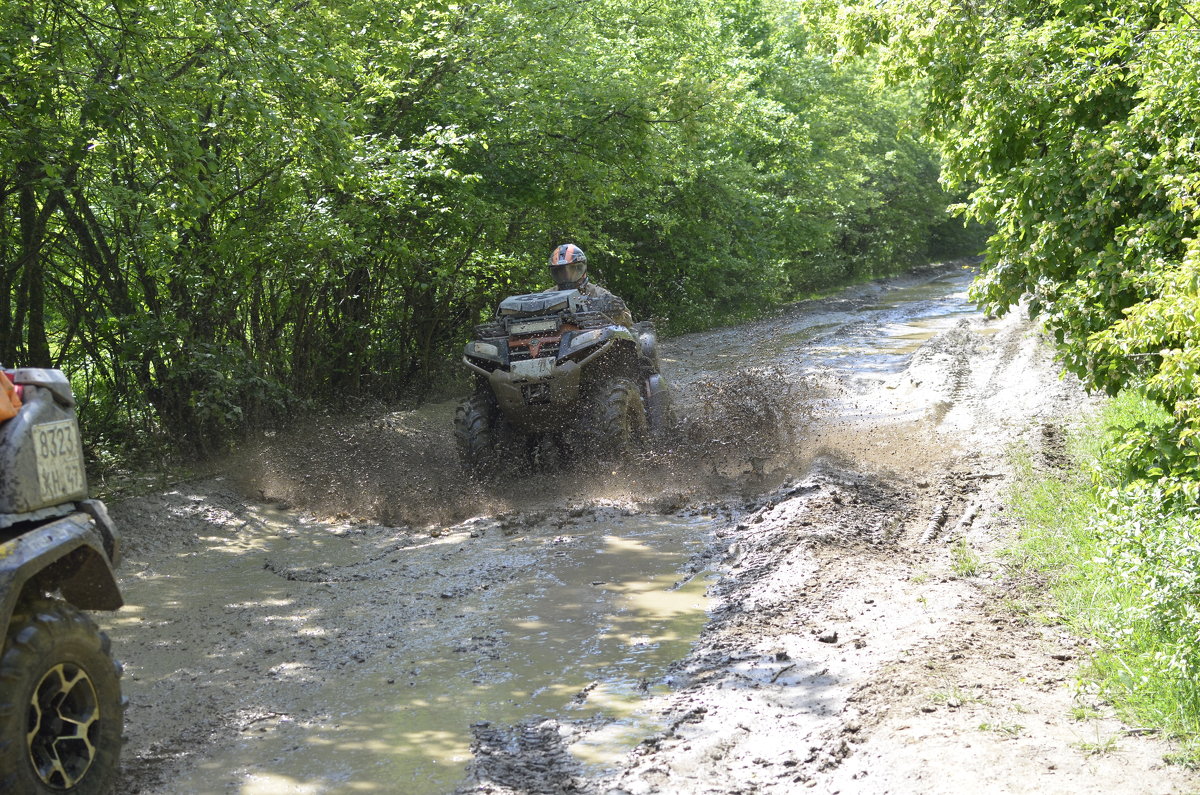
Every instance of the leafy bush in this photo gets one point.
(1153, 552)
(1071, 127)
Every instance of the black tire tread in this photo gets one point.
(618, 417)
(474, 432)
(37, 632)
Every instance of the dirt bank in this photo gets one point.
(803, 591)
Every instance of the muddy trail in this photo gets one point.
(803, 591)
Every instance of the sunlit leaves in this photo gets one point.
(1075, 125)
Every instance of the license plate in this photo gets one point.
(534, 368)
(59, 459)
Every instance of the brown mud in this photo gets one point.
(803, 591)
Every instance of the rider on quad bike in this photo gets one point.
(568, 268)
(563, 373)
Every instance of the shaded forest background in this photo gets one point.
(217, 213)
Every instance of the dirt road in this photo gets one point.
(803, 593)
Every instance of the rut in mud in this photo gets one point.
(801, 592)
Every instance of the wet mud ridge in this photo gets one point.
(803, 592)
(531, 757)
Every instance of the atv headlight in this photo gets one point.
(483, 350)
(585, 338)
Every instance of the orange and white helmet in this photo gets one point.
(568, 266)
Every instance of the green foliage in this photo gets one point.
(1152, 552)
(965, 561)
(212, 212)
(1072, 125)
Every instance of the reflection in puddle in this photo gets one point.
(871, 340)
(923, 318)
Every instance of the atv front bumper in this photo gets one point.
(538, 392)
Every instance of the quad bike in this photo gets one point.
(61, 709)
(554, 375)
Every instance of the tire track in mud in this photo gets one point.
(786, 641)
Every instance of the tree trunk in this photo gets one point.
(32, 301)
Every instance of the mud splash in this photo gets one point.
(745, 398)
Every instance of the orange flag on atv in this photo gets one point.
(10, 401)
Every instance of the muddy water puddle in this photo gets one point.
(892, 329)
(580, 625)
(871, 338)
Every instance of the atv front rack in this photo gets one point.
(502, 326)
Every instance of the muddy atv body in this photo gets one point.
(61, 709)
(554, 373)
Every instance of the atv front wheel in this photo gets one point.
(618, 417)
(61, 712)
(477, 432)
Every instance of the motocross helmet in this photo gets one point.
(568, 266)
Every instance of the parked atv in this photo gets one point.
(555, 373)
(61, 710)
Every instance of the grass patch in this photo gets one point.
(1101, 747)
(964, 561)
(1010, 729)
(1121, 569)
(954, 697)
